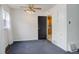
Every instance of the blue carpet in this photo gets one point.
(35, 47)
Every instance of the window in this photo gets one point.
(6, 19)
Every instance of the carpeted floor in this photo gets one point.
(35, 47)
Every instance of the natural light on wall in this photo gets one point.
(6, 19)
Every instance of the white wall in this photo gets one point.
(7, 30)
(73, 28)
(59, 27)
(5, 33)
(25, 26)
(2, 41)
(64, 33)
(62, 27)
(60, 38)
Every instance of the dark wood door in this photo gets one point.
(42, 27)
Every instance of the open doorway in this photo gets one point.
(49, 28)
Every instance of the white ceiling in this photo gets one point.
(43, 6)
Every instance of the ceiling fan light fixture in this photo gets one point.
(31, 9)
(30, 12)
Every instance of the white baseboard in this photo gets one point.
(25, 39)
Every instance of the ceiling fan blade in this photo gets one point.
(37, 8)
(33, 10)
(29, 10)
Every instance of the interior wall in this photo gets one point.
(62, 26)
(7, 31)
(59, 26)
(25, 26)
(73, 27)
(2, 41)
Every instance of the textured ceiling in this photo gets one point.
(43, 6)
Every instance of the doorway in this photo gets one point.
(42, 27)
(49, 28)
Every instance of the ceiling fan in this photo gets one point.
(31, 8)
